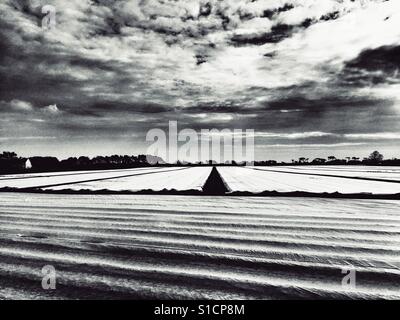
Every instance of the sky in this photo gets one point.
(312, 78)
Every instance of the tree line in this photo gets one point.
(374, 159)
(10, 162)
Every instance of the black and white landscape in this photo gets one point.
(103, 197)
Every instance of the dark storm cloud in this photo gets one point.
(270, 13)
(281, 31)
(277, 34)
(325, 102)
(331, 16)
(127, 66)
(205, 9)
(137, 107)
(374, 66)
(350, 114)
(386, 59)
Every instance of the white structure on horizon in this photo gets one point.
(28, 164)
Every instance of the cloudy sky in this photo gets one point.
(312, 77)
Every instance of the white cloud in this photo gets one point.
(19, 105)
(374, 136)
(153, 65)
(51, 109)
(26, 138)
(314, 145)
(294, 136)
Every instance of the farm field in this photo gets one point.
(130, 179)
(258, 179)
(179, 247)
(322, 179)
(178, 178)
(372, 172)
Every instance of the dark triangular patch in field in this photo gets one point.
(215, 184)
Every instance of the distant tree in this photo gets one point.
(331, 158)
(8, 155)
(126, 160)
(99, 160)
(44, 163)
(376, 156)
(354, 161)
(70, 163)
(318, 161)
(142, 158)
(83, 161)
